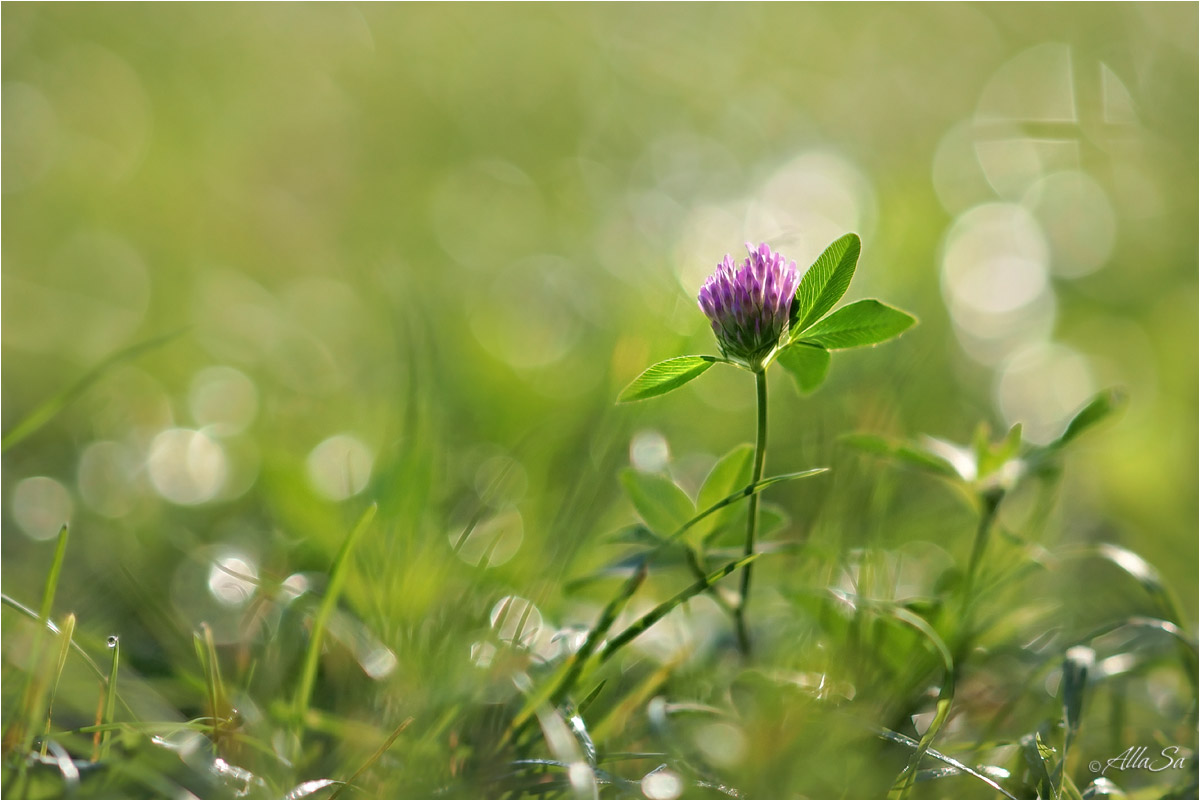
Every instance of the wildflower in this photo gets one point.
(750, 305)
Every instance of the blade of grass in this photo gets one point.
(66, 635)
(337, 579)
(587, 702)
(206, 649)
(1077, 664)
(50, 408)
(579, 729)
(565, 748)
(100, 728)
(16, 605)
(110, 694)
(373, 758)
(60, 553)
(901, 739)
(21, 731)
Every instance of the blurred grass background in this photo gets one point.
(417, 250)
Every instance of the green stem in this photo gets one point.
(987, 518)
(991, 503)
(760, 456)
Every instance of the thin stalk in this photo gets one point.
(991, 503)
(373, 758)
(760, 456)
(68, 631)
(337, 579)
(110, 695)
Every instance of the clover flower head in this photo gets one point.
(750, 304)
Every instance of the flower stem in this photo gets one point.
(760, 456)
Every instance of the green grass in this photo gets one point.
(1017, 681)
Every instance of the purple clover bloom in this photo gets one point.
(750, 305)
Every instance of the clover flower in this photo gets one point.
(750, 305)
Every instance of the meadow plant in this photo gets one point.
(762, 311)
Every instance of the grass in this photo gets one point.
(892, 669)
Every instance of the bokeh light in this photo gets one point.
(490, 542)
(340, 466)
(41, 507)
(232, 579)
(186, 467)
(223, 400)
(107, 478)
(649, 452)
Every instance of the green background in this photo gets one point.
(455, 232)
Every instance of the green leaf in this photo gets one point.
(1102, 405)
(826, 281)
(807, 365)
(864, 322)
(901, 451)
(729, 474)
(661, 378)
(1140, 570)
(659, 500)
